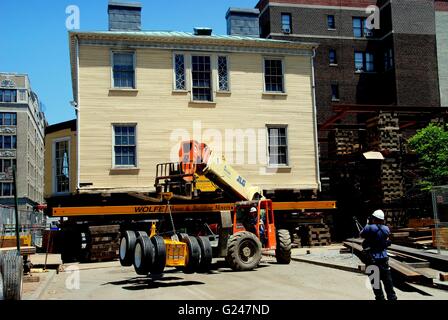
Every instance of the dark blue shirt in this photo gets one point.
(376, 236)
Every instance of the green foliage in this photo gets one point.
(431, 147)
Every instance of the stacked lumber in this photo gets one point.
(104, 243)
(413, 237)
(344, 142)
(384, 132)
(392, 183)
(319, 235)
(440, 238)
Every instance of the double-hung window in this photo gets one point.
(278, 146)
(332, 57)
(201, 75)
(125, 146)
(286, 22)
(273, 75)
(123, 70)
(331, 22)
(335, 92)
(360, 29)
(364, 61)
(62, 166)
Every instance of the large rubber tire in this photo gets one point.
(11, 271)
(144, 254)
(194, 253)
(140, 233)
(283, 250)
(127, 246)
(206, 254)
(160, 255)
(243, 251)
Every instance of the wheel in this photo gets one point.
(206, 254)
(144, 254)
(140, 233)
(243, 251)
(127, 245)
(12, 276)
(283, 250)
(194, 253)
(160, 255)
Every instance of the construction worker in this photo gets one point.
(376, 236)
(251, 220)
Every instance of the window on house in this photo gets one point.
(7, 189)
(125, 145)
(62, 166)
(6, 165)
(223, 74)
(124, 70)
(360, 29)
(22, 95)
(278, 146)
(201, 75)
(8, 142)
(8, 95)
(333, 57)
(273, 74)
(335, 92)
(388, 59)
(331, 22)
(179, 69)
(286, 22)
(364, 62)
(8, 119)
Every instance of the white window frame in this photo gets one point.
(282, 59)
(186, 60)
(288, 162)
(213, 72)
(53, 162)
(131, 124)
(229, 88)
(112, 83)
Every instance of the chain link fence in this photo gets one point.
(440, 208)
(31, 223)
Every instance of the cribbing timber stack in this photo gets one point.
(183, 213)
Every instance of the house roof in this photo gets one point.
(71, 124)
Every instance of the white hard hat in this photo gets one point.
(253, 209)
(379, 214)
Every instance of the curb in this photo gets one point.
(42, 287)
(322, 264)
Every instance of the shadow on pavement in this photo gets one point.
(144, 283)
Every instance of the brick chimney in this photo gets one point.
(125, 16)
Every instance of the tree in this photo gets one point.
(431, 146)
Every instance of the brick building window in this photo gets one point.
(8, 95)
(388, 59)
(201, 74)
(8, 142)
(223, 74)
(331, 22)
(360, 29)
(332, 57)
(364, 62)
(273, 74)
(286, 22)
(125, 146)
(179, 71)
(335, 92)
(123, 70)
(278, 145)
(8, 119)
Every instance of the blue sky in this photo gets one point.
(35, 40)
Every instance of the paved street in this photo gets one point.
(298, 280)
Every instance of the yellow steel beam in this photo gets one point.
(152, 209)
